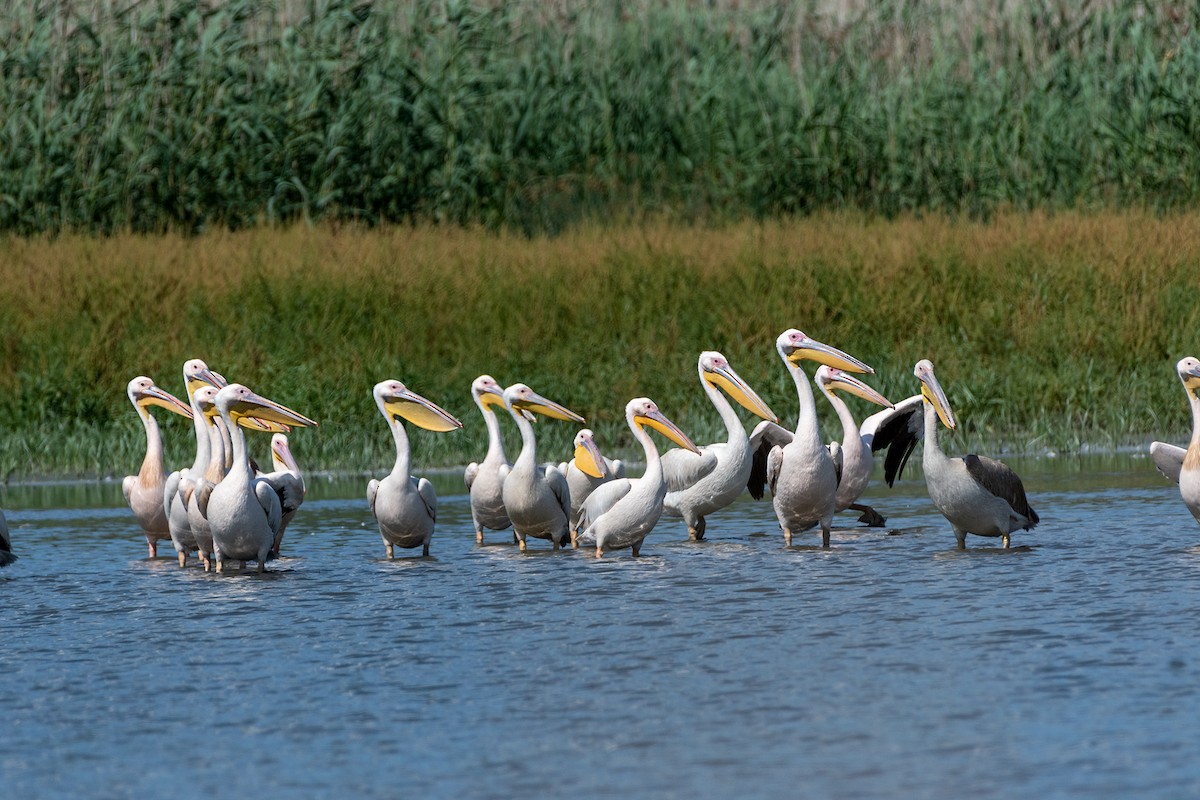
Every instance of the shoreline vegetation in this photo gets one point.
(1055, 333)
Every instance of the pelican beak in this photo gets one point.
(205, 377)
(659, 422)
(931, 390)
(259, 407)
(420, 412)
(535, 403)
(262, 425)
(813, 350)
(492, 397)
(154, 396)
(588, 458)
(849, 383)
(732, 384)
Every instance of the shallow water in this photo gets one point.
(890, 665)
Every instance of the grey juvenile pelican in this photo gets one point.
(485, 481)
(621, 512)
(1180, 464)
(405, 507)
(698, 485)
(975, 494)
(799, 469)
(243, 511)
(144, 491)
(587, 470)
(180, 484)
(852, 458)
(537, 498)
(287, 482)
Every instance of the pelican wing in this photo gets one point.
(127, 486)
(616, 468)
(1168, 458)
(289, 487)
(682, 468)
(372, 490)
(428, 496)
(470, 473)
(765, 438)
(558, 485)
(269, 501)
(896, 430)
(774, 464)
(1000, 480)
(203, 493)
(835, 454)
(170, 489)
(599, 502)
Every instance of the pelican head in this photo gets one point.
(143, 393)
(794, 347)
(281, 454)
(587, 455)
(931, 390)
(644, 412)
(716, 372)
(487, 392)
(1189, 372)
(238, 402)
(833, 379)
(522, 400)
(196, 374)
(397, 402)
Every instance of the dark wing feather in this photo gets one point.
(766, 436)
(899, 436)
(1000, 480)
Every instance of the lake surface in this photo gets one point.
(891, 665)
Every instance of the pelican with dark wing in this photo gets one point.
(485, 479)
(797, 466)
(406, 507)
(1182, 464)
(974, 493)
(586, 471)
(243, 510)
(286, 480)
(621, 512)
(536, 497)
(698, 485)
(144, 491)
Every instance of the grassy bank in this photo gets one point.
(1049, 332)
(531, 116)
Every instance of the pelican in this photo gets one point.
(975, 494)
(621, 512)
(205, 400)
(587, 470)
(485, 481)
(287, 482)
(1182, 465)
(698, 485)
(7, 556)
(180, 484)
(799, 469)
(244, 511)
(405, 507)
(537, 498)
(852, 458)
(144, 491)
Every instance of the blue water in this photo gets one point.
(891, 665)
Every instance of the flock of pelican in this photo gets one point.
(224, 508)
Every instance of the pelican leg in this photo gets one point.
(520, 541)
(825, 535)
(554, 543)
(961, 536)
(787, 537)
(182, 559)
(153, 545)
(599, 551)
(262, 565)
(696, 529)
(425, 550)
(391, 553)
(478, 535)
(574, 537)
(637, 549)
(1004, 540)
(205, 558)
(870, 516)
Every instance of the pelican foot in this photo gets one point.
(182, 559)
(391, 553)
(696, 533)
(220, 566)
(574, 538)
(637, 549)
(787, 537)
(870, 517)
(479, 536)
(1004, 541)
(599, 552)
(153, 545)
(262, 565)
(521, 542)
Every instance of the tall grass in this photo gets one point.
(187, 115)
(1049, 332)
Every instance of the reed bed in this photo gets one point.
(188, 115)
(1050, 332)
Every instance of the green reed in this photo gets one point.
(185, 115)
(1049, 332)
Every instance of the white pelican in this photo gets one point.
(201, 486)
(485, 480)
(405, 507)
(698, 485)
(587, 470)
(975, 494)
(1180, 464)
(7, 556)
(537, 498)
(287, 482)
(243, 511)
(852, 457)
(144, 491)
(180, 484)
(621, 512)
(799, 469)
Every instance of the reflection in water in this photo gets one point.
(892, 664)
